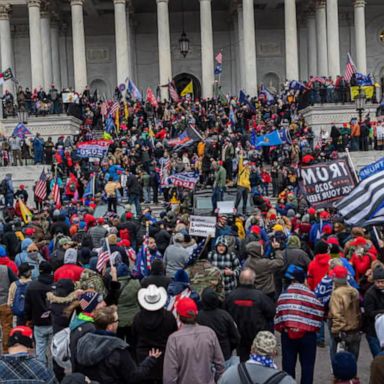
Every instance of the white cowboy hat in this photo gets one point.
(152, 298)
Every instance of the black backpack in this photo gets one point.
(3, 187)
(246, 378)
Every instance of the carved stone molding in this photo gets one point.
(34, 3)
(5, 11)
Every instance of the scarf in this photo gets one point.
(265, 361)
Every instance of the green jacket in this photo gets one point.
(127, 304)
(220, 177)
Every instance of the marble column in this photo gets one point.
(56, 70)
(165, 61)
(249, 48)
(130, 40)
(35, 44)
(291, 45)
(361, 42)
(321, 29)
(121, 38)
(207, 63)
(78, 41)
(312, 43)
(6, 44)
(46, 49)
(333, 38)
(241, 57)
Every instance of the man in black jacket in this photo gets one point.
(373, 306)
(36, 309)
(102, 356)
(220, 321)
(252, 310)
(134, 192)
(157, 276)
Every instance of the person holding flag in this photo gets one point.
(188, 90)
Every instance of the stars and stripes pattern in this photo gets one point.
(102, 259)
(56, 194)
(173, 93)
(41, 187)
(114, 108)
(350, 68)
(364, 202)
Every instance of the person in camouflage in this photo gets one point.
(202, 274)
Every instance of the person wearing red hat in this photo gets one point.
(318, 267)
(344, 313)
(97, 233)
(18, 365)
(362, 257)
(193, 350)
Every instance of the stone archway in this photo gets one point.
(101, 87)
(181, 81)
(272, 81)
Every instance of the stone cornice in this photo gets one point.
(5, 11)
(34, 3)
(359, 3)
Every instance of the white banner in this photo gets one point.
(203, 226)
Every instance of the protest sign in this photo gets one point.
(94, 148)
(186, 180)
(203, 226)
(371, 169)
(324, 184)
(226, 207)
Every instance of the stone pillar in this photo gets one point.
(240, 21)
(35, 44)
(321, 29)
(312, 43)
(6, 44)
(291, 46)
(46, 49)
(249, 48)
(207, 63)
(361, 42)
(78, 41)
(55, 43)
(165, 61)
(121, 38)
(130, 40)
(333, 38)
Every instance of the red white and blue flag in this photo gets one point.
(41, 187)
(93, 148)
(56, 194)
(350, 68)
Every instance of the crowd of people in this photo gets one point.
(130, 296)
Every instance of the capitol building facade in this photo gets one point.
(101, 43)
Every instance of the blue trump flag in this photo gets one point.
(268, 95)
(109, 125)
(89, 189)
(271, 139)
(243, 99)
(21, 130)
(371, 169)
(134, 91)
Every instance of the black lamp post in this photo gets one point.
(360, 101)
(184, 44)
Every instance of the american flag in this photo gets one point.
(350, 68)
(115, 107)
(104, 108)
(173, 92)
(102, 258)
(56, 194)
(41, 187)
(219, 58)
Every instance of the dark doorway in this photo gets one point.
(183, 79)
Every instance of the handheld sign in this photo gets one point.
(203, 226)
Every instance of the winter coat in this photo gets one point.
(32, 258)
(317, 269)
(251, 310)
(344, 309)
(361, 264)
(151, 330)
(264, 267)
(297, 257)
(57, 304)
(103, 357)
(373, 306)
(5, 260)
(175, 258)
(220, 321)
(127, 302)
(36, 305)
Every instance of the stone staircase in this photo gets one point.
(361, 159)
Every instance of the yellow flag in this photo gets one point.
(107, 136)
(126, 110)
(117, 120)
(368, 90)
(188, 89)
(25, 212)
(151, 133)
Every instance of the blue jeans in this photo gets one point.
(374, 345)
(43, 337)
(305, 348)
(217, 195)
(320, 336)
(135, 199)
(147, 194)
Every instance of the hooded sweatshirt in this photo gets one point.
(317, 269)
(104, 357)
(32, 258)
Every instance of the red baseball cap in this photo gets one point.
(186, 307)
(21, 335)
(311, 211)
(359, 241)
(100, 221)
(256, 229)
(339, 273)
